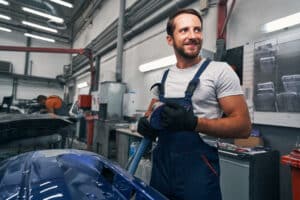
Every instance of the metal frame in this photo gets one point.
(86, 52)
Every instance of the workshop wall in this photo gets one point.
(85, 90)
(43, 65)
(248, 17)
(48, 64)
(30, 90)
(6, 86)
(99, 22)
(16, 58)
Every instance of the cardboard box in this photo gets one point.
(249, 142)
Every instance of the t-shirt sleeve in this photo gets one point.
(228, 83)
(49, 104)
(155, 92)
(156, 80)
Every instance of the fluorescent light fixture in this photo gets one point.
(282, 23)
(39, 13)
(82, 85)
(160, 63)
(39, 37)
(5, 17)
(4, 2)
(39, 26)
(5, 29)
(63, 3)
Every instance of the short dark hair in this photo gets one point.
(170, 25)
(40, 98)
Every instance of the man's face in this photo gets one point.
(187, 36)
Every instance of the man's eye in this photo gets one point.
(197, 30)
(183, 30)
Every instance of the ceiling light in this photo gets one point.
(39, 37)
(39, 13)
(5, 29)
(63, 3)
(160, 63)
(4, 2)
(5, 17)
(39, 27)
(82, 85)
(282, 23)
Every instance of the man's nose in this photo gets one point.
(191, 34)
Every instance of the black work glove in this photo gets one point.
(144, 128)
(175, 117)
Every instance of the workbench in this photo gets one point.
(124, 137)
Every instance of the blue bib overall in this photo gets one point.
(185, 167)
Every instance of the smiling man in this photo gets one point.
(194, 94)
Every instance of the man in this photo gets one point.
(54, 104)
(194, 93)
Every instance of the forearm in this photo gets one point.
(149, 110)
(50, 110)
(228, 127)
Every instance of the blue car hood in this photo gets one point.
(69, 174)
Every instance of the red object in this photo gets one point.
(223, 18)
(84, 101)
(293, 160)
(222, 13)
(90, 131)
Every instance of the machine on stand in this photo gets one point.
(109, 114)
(113, 105)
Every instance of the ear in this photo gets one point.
(170, 40)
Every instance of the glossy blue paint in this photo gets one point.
(69, 174)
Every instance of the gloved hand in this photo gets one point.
(175, 117)
(145, 129)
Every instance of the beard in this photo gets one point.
(188, 55)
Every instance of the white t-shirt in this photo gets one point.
(218, 80)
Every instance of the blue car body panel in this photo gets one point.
(69, 174)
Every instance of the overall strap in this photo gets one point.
(195, 81)
(162, 85)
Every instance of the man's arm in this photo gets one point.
(149, 110)
(236, 124)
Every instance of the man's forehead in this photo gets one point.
(186, 19)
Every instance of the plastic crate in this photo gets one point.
(266, 85)
(291, 83)
(267, 64)
(265, 102)
(69, 174)
(288, 102)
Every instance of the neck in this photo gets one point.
(185, 63)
